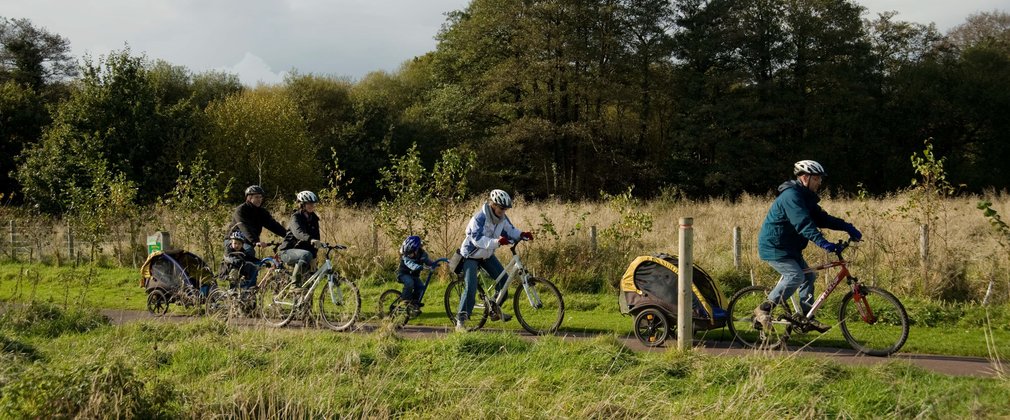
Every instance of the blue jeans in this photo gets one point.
(297, 257)
(492, 267)
(412, 287)
(793, 278)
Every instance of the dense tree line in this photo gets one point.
(555, 97)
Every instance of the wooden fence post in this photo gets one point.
(375, 239)
(736, 247)
(592, 238)
(14, 245)
(924, 244)
(70, 242)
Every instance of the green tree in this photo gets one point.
(22, 116)
(116, 116)
(197, 207)
(32, 56)
(258, 137)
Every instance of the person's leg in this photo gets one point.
(418, 289)
(248, 272)
(298, 260)
(806, 289)
(792, 278)
(494, 269)
(470, 267)
(408, 286)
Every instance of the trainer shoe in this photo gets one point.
(504, 317)
(818, 326)
(460, 326)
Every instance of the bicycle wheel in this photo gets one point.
(392, 308)
(220, 305)
(538, 306)
(651, 327)
(454, 295)
(277, 301)
(877, 324)
(339, 303)
(741, 320)
(157, 303)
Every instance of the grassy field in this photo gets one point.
(207, 369)
(939, 328)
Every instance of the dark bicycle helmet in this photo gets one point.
(255, 189)
(237, 235)
(808, 167)
(411, 244)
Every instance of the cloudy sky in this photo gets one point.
(261, 40)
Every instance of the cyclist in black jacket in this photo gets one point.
(250, 218)
(298, 249)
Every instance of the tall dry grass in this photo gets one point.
(964, 255)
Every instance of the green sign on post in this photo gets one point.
(158, 242)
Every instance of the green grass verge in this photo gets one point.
(208, 369)
(939, 328)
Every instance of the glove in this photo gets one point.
(503, 240)
(828, 246)
(315, 243)
(526, 236)
(854, 233)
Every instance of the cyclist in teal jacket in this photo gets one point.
(793, 220)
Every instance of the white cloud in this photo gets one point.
(253, 70)
(334, 37)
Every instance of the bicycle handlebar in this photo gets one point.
(843, 244)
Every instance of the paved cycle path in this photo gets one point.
(948, 365)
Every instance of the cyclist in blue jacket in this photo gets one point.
(488, 229)
(413, 259)
(793, 220)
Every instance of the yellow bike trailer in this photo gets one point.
(649, 294)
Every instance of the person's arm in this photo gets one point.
(511, 231)
(271, 224)
(798, 215)
(827, 221)
(410, 263)
(243, 217)
(299, 228)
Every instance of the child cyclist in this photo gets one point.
(488, 229)
(240, 257)
(413, 259)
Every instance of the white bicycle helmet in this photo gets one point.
(307, 197)
(808, 167)
(501, 198)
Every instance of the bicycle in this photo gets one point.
(227, 303)
(398, 310)
(540, 308)
(872, 320)
(282, 300)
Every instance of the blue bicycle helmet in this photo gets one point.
(411, 244)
